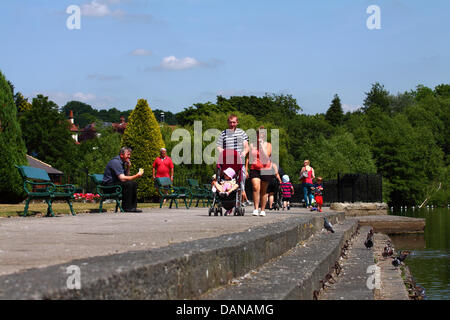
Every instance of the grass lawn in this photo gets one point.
(40, 208)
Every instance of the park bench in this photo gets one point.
(37, 185)
(168, 191)
(196, 192)
(113, 192)
(209, 193)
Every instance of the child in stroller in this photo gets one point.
(228, 193)
(226, 188)
(228, 183)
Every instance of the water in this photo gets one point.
(430, 259)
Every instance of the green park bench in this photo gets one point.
(113, 192)
(209, 193)
(197, 192)
(168, 191)
(37, 185)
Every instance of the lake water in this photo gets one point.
(430, 259)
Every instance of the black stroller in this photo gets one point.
(228, 159)
(278, 197)
(275, 188)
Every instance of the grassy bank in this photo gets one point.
(40, 208)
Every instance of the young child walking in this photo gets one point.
(318, 192)
(287, 190)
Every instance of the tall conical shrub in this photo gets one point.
(143, 136)
(12, 150)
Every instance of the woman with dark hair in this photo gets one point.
(306, 177)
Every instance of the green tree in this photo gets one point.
(334, 114)
(95, 153)
(377, 97)
(339, 154)
(47, 135)
(169, 117)
(12, 151)
(79, 110)
(21, 102)
(143, 135)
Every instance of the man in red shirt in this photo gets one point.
(163, 166)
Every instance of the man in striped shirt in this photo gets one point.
(235, 138)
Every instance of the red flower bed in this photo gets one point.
(89, 197)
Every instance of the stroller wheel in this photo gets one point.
(216, 212)
(210, 211)
(221, 211)
(242, 211)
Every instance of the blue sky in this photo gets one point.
(175, 53)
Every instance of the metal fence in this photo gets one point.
(360, 187)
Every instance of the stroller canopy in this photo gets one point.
(229, 158)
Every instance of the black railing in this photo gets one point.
(360, 187)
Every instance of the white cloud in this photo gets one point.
(84, 97)
(103, 77)
(61, 98)
(98, 8)
(350, 108)
(173, 63)
(141, 52)
(101, 8)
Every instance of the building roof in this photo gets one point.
(36, 163)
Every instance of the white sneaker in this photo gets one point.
(255, 212)
(262, 214)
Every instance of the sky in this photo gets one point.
(175, 53)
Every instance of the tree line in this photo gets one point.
(402, 136)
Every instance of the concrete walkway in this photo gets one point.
(34, 242)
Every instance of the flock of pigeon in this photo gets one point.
(388, 251)
(336, 268)
(416, 292)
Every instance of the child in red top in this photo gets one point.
(318, 192)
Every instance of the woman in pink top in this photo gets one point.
(261, 172)
(306, 177)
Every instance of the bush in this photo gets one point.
(143, 136)
(12, 151)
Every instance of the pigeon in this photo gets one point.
(387, 251)
(323, 285)
(403, 255)
(337, 267)
(316, 294)
(327, 225)
(329, 278)
(396, 262)
(400, 258)
(369, 241)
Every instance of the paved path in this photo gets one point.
(39, 242)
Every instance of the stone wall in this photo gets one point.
(360, 208)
